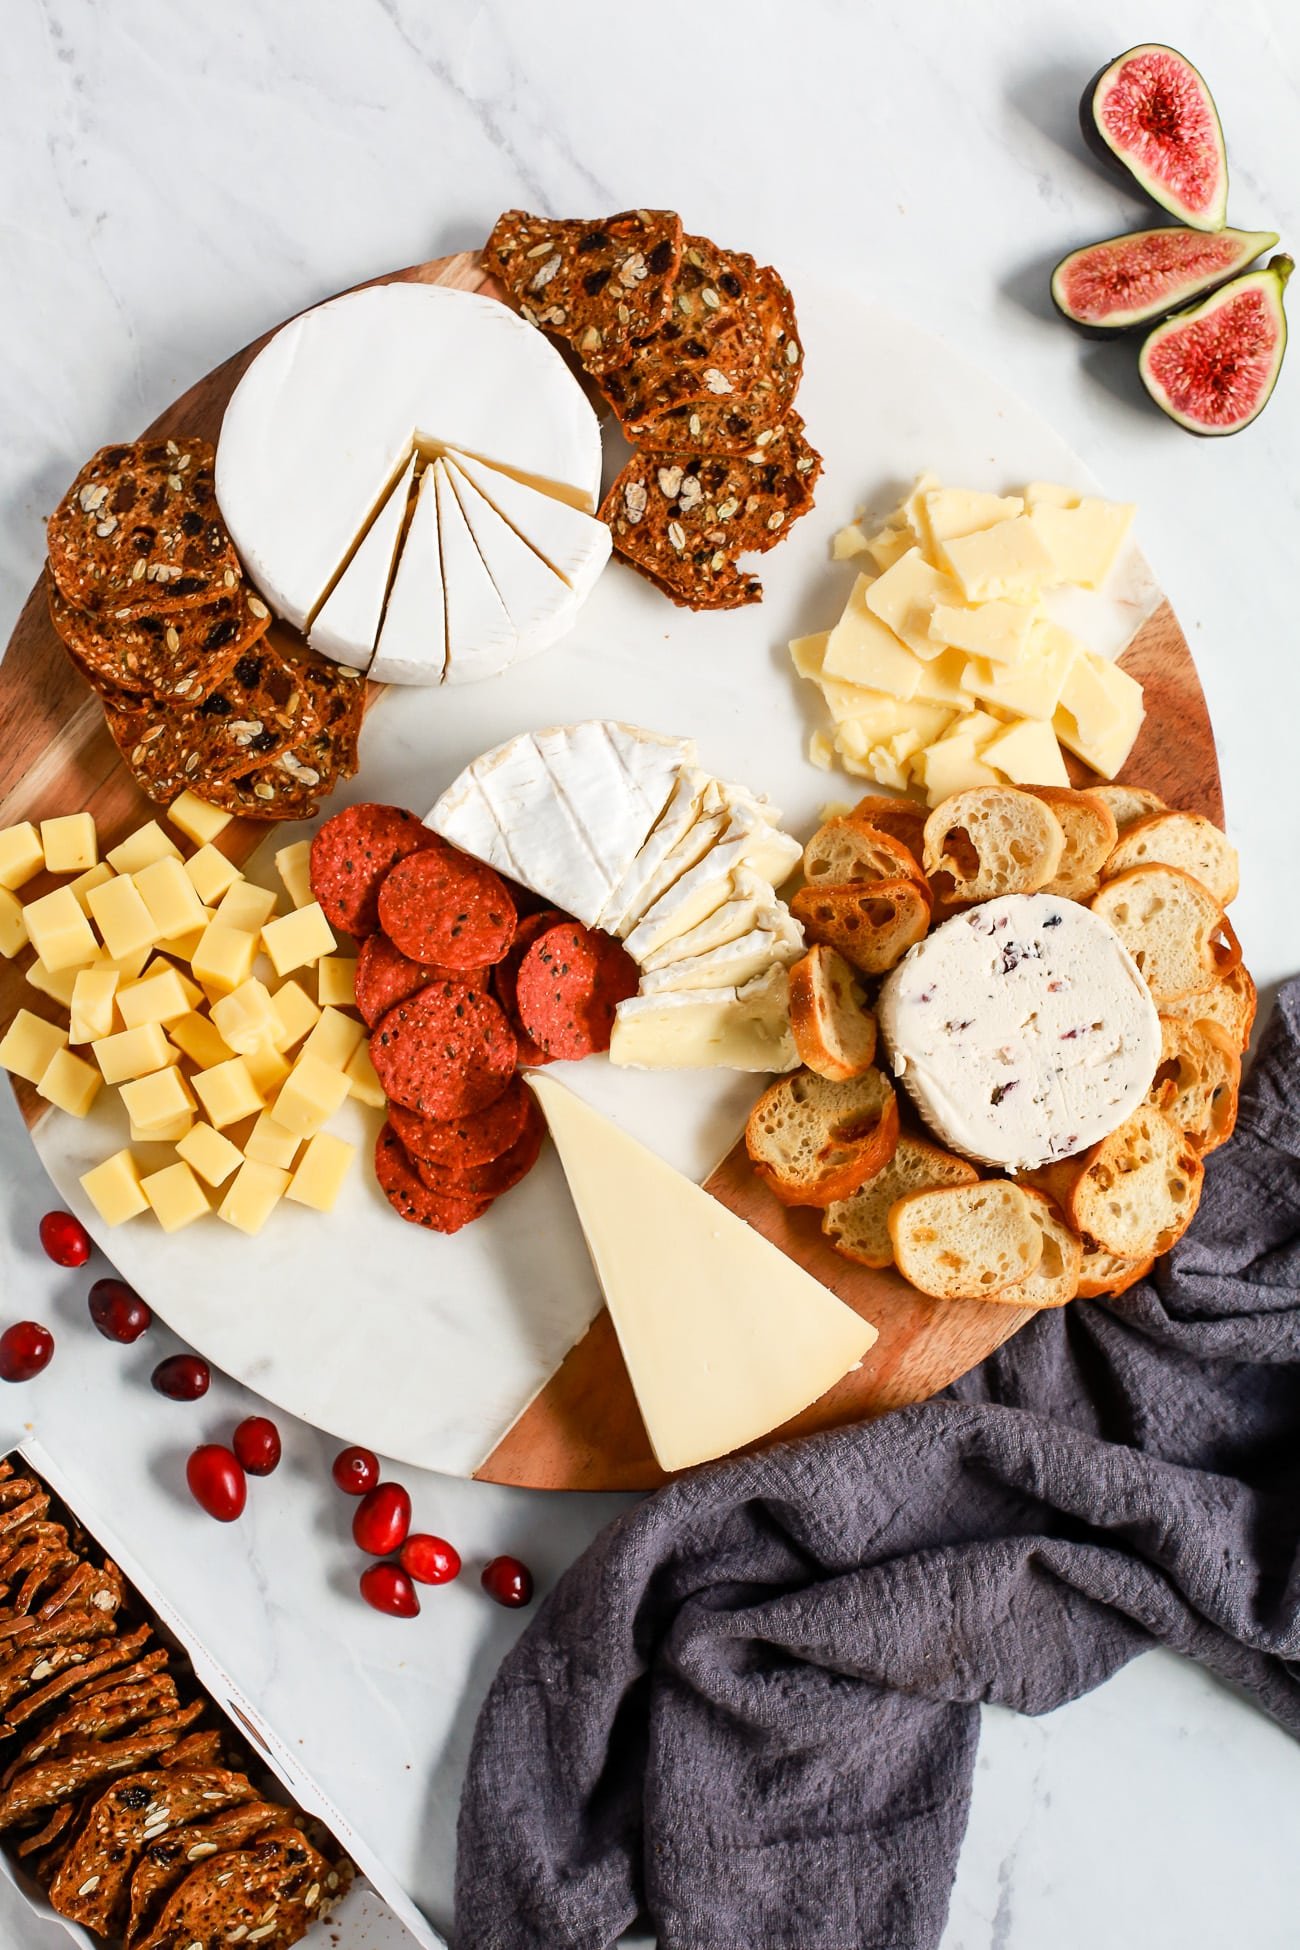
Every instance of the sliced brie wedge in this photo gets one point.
(481, 639)
(346, 626)
(541, 606)
(412, 646)
(576, 545)
(728, 1028)
(746, 841)
(730, 966)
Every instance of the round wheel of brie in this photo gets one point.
(409, 475)
(1022, 1030)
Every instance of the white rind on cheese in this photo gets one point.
(575, 544)
(347, 624)
(615, 783)
(481, 640)
(627, 899)
(541, 606)
(412, 647)
(729, 966)
(1022, 1030)
(750, 904)
(729, 1028)
(724, 1336)
(746, 841)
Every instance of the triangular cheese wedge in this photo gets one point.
(481, 639)
(539, 603)
(413, 640)
(724, 1337)
(347, 623)
(576, 545)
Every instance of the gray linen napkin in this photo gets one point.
(750, 1708)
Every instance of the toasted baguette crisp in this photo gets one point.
(1128, 803)
(834, 1031)
(1055, 1279)
(965, 1242)
(1231, 1003)
(1106, 1273)
(1174, 929)
(1180, 839)
(1198, 1082)
(872, 923)
(990, 840)
(858, 1227)
(812, 1141)
(1090, 834)
(902, 819)
(1139, 1188)
(851, 849)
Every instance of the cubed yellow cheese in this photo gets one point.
(296, 939)
(21, 855)
(200, 1040)
(169, 1133)
(168, 893)
(334, 1038)
(141, 848)
(887, 545)
(863, 650)
(176, 1196)
(293, 864)
(1100, 713)
(209, 1153)
(93, 877)
(70, 1083)
(848, 542)
(363, 1084)
(121, 916)
(93, 993)
(57, 983)
(269, 1143)
(1083, 541)
(998, 631)
(1027, 753)
(113, 1188)
(160, 997)
(254, 1193)
(227, 1092)
(13, 928)
(808, 653)
(245, 1017)
(182, 946)
(267, 1067)
(246, 906)
(127, 967)
(950, 512)
(903, 598)
(1031, 688)
(310, 1095)
(195, 818)
(70, 843)
(1007, 562)
(224, 957)
(30, 1044)
(132, 1053)
(821, 752)
(323, 1167)
(294, 1011)
(211, 874)
(157, 1100)
(59, 931)
(336, 981)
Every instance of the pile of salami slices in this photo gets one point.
(463, 983)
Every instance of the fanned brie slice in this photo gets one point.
(575, 544)
(412, 646)
(481, 639)
(347, 624)
(541, 606)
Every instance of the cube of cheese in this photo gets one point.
(334, 1038)
(169, 1133)
(253, 1195)
(904, 597)
(246, 906)
(1006, 562)
(121, 916)
(863, 650)
(58, 983)
(1027, 753)
(224, 957)
(59, 931)
(176, 1196)
(209, 1153)
(155, 1101)
(310, 1095)
(168, 893)
(294, 1011)
(182, 946)
(298, 938)
(114, 1189)
(1031, 688)
(141, 848)
(21, 855)
(293, 864)
(29, 1045)
(336, 981)
(267, 1067)
(195, 818)
(13, 928)
(93, 877)
(321, 1170)
(1083, 541)
(245, 1018)
(93, 993)
(127, 967)
(70, 843)
(200, 1040)
(363, 1084)
(211, 873)
(997, 631)
(227, 1092)
(160, 997)
(269, 1143)
(132, 1053)
(70, 1083)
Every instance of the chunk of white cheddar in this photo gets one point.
(318, 1177)
(212, 874)
(132, 1053)
(70, 843)
(29, 1045)
(1100, 713)
(1027, 753)
(114, 1188)
(1031, 688)
(254, 1193)
(997, 631)
(195, 818)
(176, 1196)
(156, 1101)
(293, 864)
(863, 650)
(59, 931)
(1084, 541)
(210, 1153)
(13, 926)
(141, 848)
(952, 512)
(310, 1095)
(888, 545)
(1007, 562)
(296, 939)
(94, 990)
(21, 855)
(904, 596)
(69, 1083)
(118, 911)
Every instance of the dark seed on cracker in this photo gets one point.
(599, 285)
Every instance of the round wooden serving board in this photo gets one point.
(582, 1429)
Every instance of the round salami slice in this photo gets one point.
(505, 973)
(352, 853)
(570, 982)
(497, 1175)
(411, 1199)
(443, 907)
(385, 977)
(464, 1142)
(446, 1051)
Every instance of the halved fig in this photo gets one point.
(1150, 113)
(1213, 368)
(1146, 274)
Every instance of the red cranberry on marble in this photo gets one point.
(356, 1471)
(25, 1348)
(429, 1560)
(508, 1581)
(257, 1444)
(65, 1239)
(382, 1519)
(217, 1481)
(388, 1589)
(118, 1311)
(182, 1377)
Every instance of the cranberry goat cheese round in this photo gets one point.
(1022, 1030)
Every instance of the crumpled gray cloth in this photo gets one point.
(750, 1708)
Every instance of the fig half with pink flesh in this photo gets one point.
(1213, 368)
(1150, 114)
(1133, 280)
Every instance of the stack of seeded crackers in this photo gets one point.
(118, 1792)
(697, 351)
(199, 691)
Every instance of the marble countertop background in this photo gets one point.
(173, 178)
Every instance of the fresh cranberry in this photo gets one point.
(181, 1377)
(118, 1311)
(25, 1348)
(356, 1471)
(429, 1560)
(65, 1239)
(387, 1588)
(257, 1444)
(217, 1483)
(508, 1581)
(382, 1519)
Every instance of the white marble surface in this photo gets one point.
(172, 178)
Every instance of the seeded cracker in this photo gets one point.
(743, 423)
(139, 529)
(598, 284)
(183, 654)
(710, 347)
(166, 1862)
